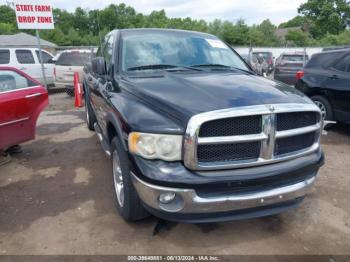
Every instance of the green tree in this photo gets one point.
(7, 29)
(329, 16)
(298, 38)
(8, 15)
(297, 21)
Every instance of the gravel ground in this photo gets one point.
(55, 198)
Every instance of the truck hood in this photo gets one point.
(186, 94)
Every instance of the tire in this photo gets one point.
(128, 203)
(89, 114)
(325, 106)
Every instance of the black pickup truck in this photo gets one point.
(193, 134)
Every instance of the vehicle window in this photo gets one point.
(294, 58)
(323, 60)
(265, 55)
(4, 57)
(25, 57)
(342, 64)
(108, 49)
(73, 58)
(11, 80)
(177, 49)
(46, 56)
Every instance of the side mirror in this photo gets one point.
(98, 66)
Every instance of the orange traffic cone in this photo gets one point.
(77, 91)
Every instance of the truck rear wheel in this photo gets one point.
(126, 199)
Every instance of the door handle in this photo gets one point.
(334, 77)
(33, 95)
(23, 68)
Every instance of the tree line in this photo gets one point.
(319, 23)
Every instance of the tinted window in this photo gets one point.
(294, 58)
(4, 56)
(11, 80)
(46, 56)
(323, 60)
(25, 57)
(73, 59)
(178, 49)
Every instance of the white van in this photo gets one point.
(27, 60)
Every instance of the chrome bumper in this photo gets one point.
(187, 200)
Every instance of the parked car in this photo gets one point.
(22, 99)
(28, 61)
(269, 59)
(67, 63)
(326, 80)
(193, 134)
(288, 64)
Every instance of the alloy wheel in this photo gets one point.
(322, 108)
(118, 179)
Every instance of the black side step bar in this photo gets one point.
(103, 141)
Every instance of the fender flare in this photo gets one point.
(112, 119)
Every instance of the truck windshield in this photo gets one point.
(142, 50)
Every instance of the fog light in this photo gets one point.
(166, 198)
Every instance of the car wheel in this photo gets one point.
(126, 199)
(89, 114)
(325, 107)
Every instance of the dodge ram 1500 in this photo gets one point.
(193, 134)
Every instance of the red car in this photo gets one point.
(22, 99)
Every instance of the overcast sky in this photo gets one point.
(252, 11)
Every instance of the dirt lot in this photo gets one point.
(55, 198)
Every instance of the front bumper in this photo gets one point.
(188, 206)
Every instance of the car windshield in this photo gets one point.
(151, 50)
(294, 58)
(73, 59)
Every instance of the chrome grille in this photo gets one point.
(251, 136)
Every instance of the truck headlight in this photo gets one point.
(156, 146)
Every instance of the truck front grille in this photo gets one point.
(231, 126)
(286, 121)
(250, 136)
(294, 143)
(228, 152)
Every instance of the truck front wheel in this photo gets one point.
(89, 114)
(126, 199)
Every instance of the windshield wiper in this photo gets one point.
(223, 67)
(161, 66)
(211, 65)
